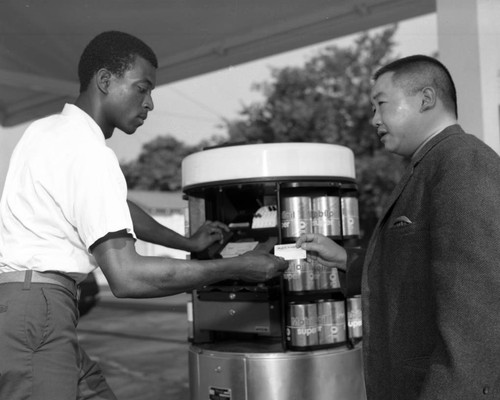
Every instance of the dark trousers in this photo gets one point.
(40, 357)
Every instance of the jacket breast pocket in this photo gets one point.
(405, 253)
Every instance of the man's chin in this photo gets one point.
(395, 150)
(388, 145)
(130, 131)
(384, 140)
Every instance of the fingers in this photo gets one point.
(279, 266)
(221, 225)
(261, 266)
(215, 230)
(311, 257)
(312, 246)
(280, 262)
(217, 226)
(306, 237)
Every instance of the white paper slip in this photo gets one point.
(234, 249)
(289, 252)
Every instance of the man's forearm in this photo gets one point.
(160, 276)
(132, 275)
(149, 230)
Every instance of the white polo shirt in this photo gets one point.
(64, 190)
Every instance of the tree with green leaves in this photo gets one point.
(158, 166)
(328, 101)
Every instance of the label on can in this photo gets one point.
(302, 326)
(296, 216)
(326, 215)
(325, 277)
(350, 216)
(331, 321)
(299, 276)
(354, 317)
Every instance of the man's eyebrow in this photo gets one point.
(377, 96)
(148, 82)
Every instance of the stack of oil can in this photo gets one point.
(323, 323)
(318, 316)
(335, 216)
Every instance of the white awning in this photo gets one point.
(41, 40)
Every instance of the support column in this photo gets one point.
(469, 45)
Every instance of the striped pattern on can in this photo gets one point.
(331, 321)
(299, 276)
(302, 324)
(326, 215)
(304, 276)
(296, 216)
(350, 216)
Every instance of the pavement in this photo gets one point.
(141, 345)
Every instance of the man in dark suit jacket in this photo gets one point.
(431, 274)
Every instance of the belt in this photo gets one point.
(30, 276)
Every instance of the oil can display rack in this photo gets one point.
(235, 311)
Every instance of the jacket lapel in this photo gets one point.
(392, 199)
(453, 129)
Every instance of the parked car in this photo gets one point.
(88, 294)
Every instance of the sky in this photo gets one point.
(191, 109)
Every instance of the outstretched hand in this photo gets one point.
(323, 250)
(259, 266)
(210, 232)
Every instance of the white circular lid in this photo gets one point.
(271, 160)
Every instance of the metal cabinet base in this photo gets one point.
(334, 374)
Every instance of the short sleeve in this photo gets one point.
(98, 196)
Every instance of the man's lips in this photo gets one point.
(381, 133)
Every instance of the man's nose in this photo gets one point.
(375, 121)
(148, 103)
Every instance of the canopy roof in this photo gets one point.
(41, 40)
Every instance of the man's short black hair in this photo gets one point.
(416, 72)
(112, 50)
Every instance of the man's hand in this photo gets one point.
(323, 250)
(258, 266)
(209, 233)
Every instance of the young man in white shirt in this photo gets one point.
(64, 212)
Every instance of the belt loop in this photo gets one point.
(27, 279)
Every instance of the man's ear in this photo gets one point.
(429, 99)
(103, 79)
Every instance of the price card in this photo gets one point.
(289, 252)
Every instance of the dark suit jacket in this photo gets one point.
(431, 278)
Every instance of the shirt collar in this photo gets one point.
(425, 142)
(73, 111)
